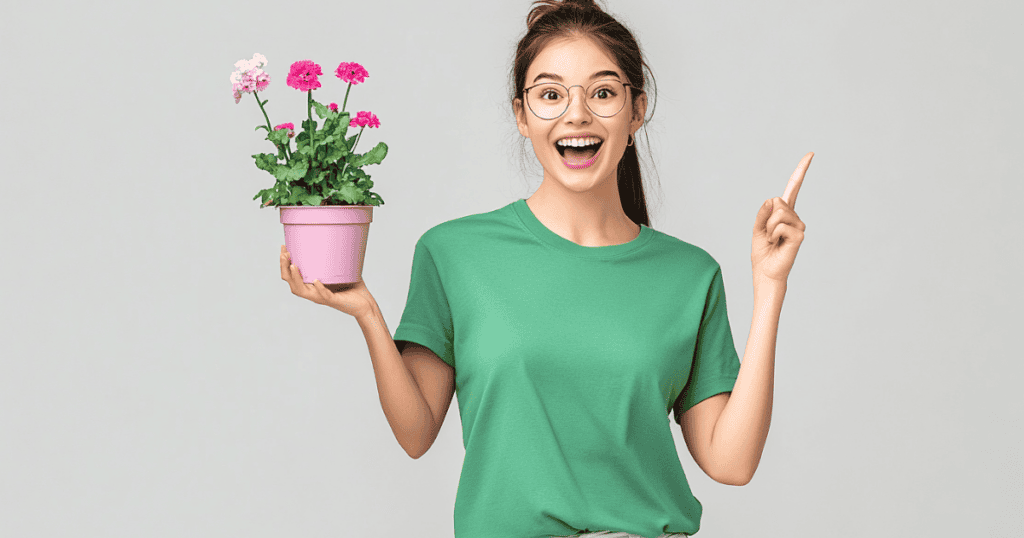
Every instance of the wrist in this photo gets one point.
(370, 312)
(770, 287)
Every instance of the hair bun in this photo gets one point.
(546, 7)
(581, 4)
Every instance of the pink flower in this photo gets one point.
(254, 79)
(262, 81)
(302, 75)
(333, 107)
(364, 119)
(289, 126)
(249, 76)
(351, 72)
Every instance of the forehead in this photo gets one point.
(574, 59)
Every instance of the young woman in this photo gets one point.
(570, 328)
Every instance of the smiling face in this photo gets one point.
(576, 62)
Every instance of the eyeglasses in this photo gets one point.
(549, 100)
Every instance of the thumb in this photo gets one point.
(761, 222)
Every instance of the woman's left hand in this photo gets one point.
(778, 232)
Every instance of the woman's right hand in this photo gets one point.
(353, 299)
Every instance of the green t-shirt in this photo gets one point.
(567, 361)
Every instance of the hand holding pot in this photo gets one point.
(353, 299)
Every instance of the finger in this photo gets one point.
(761, 221)
(787, 232)
(783, 214)
(295, 278)
(322, 290)
(783, 208)
(796, 180)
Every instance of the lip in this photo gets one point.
(586, 164)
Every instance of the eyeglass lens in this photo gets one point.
(604, 97)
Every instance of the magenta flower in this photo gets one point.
(302, 75)
(333, 107)
(364, 119)
(351, 72)
(289, 126)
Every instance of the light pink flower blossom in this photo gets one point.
(258, 61)
(351, 72)
(249, 76)
(302, 75)
(333, 107)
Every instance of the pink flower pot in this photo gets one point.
(327, 243)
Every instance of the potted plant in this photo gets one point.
(323, 193)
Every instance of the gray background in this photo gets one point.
(159, 379)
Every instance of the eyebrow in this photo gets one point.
(605, 73)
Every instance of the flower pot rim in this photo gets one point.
(322, 206)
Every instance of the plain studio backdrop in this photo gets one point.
(159, 379)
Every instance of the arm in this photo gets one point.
(741, 430)
(407, 409)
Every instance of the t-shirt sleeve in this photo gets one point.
(427, 319)
(715, 362)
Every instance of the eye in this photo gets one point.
(546, 92)
(608, 92)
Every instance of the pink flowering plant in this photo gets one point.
(324, 168)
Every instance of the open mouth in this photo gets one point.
(576, 155)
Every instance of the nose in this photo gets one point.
(578, 110)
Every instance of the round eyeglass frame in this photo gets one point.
(569, 101)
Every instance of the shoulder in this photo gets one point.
(466, 230)
(688, 255)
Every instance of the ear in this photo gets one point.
(639, 113)
(517, 107)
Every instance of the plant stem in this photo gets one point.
(345, 102)
(358, 136)
(269, 128)
(254, 94)
(352, 151)
(309, 109)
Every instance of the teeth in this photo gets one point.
(577, 142)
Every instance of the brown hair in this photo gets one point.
(552, 20)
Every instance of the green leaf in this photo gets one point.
(291, 172)
(258, 127)
(334, 153)
(278, 136)
(266, 161)
(374, 156)
(321, 110)
(351, 194)
(299, 193)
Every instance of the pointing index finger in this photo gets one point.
(796, 180)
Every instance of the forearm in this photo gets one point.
(403, 403)
(742, 428)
